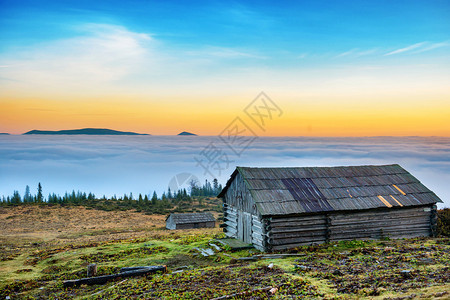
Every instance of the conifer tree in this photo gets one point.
(39, 197)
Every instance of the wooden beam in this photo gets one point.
(106, 278)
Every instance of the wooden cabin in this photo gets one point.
(281, 208)
(189, 221)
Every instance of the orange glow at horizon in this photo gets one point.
(210, 118)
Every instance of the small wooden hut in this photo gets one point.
(281, 208)
(191, 220)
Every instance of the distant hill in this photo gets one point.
(88, 131)
(1, 133)
(186, 133)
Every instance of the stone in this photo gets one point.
(91, 270)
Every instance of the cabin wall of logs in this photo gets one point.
(303, 206)
(284, 232)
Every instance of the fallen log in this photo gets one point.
(251, 258)
(128, 269)
(105, 278)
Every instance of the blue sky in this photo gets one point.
(281, 30)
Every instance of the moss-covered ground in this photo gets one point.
(35, 262)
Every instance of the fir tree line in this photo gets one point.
(207, 189)
(177, 201)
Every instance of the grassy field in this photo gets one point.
(40, 247)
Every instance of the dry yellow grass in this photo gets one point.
(28, 229)
(72, 224)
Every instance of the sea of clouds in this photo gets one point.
(108, 165)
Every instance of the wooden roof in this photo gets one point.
(280, 191)
(192, 218)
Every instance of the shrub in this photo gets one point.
(443, 223)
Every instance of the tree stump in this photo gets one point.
(91, 270)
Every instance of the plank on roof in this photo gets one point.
(280, 208)
(414, 188)
(255, 173)
(264, 184)
(351, 182)
(348, 181)
(380, 180)
(347, 172)
(302, 173)
(426, 198)
(394, 169)
(319, 182)
(405, 200)
(409, 178)
(267, 174)
(271, 195)
(335, 204)
(413, 199)
(288, 173)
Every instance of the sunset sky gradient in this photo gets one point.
(335, 68)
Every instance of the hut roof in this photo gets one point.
(192, 218)
(281, 191)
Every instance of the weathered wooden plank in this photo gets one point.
(230, 230)
(258, 241)
(257, 228)
(394, 213)
(301, 223)
(372, 232)
(354, 228)
(297, 235)
(383, 223)
(105, 278)
(391, 217)
(229, 234)
(230, 215)
(405, 234)
(296, 218)
(375, 233)
(297, 229)
(290, 243)
(379, 217)
(402, 220)
(231, 223)
(260, 238)
(257, 223)
(258, 234)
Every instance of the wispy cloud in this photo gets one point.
(432, 46)
(110, 58)
(346, 53)
(356, 53)
(408, 48)
(101, 53)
